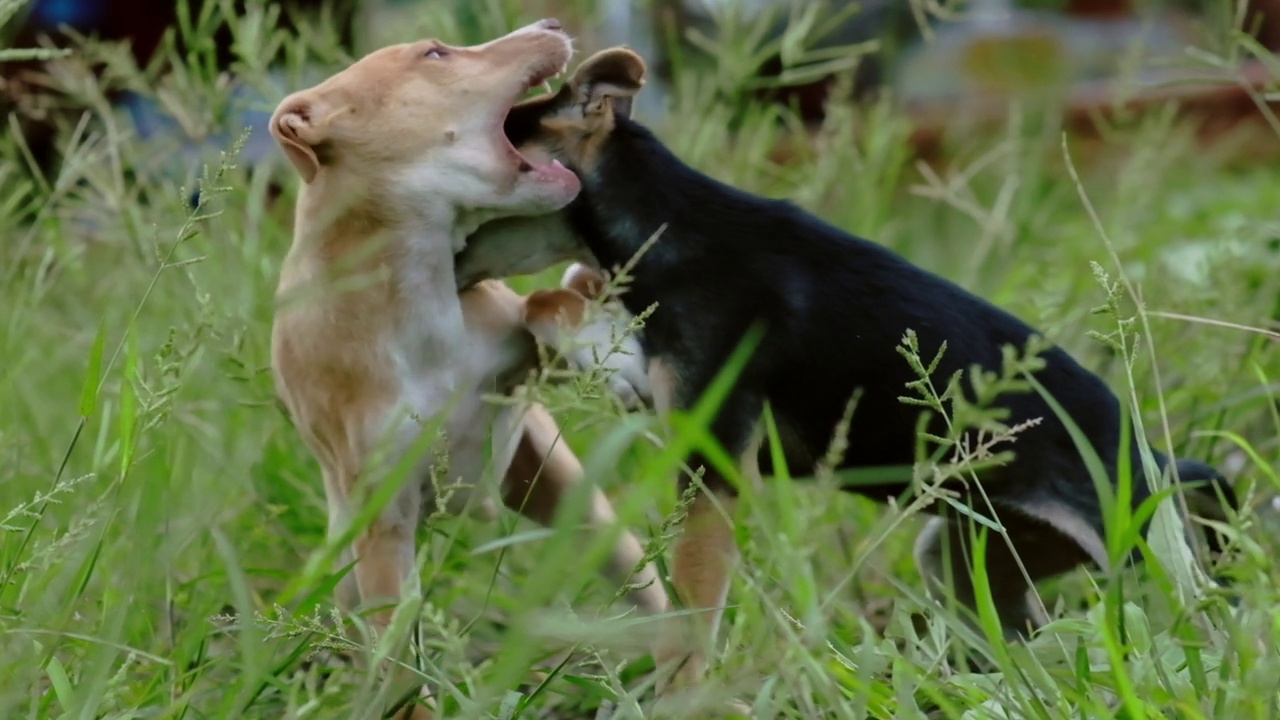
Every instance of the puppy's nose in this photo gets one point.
(549, 24)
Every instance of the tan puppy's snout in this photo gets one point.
(546, 28)
(542, 46)
(544, 24)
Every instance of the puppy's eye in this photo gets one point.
(434, 53)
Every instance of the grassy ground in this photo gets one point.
(162, 520)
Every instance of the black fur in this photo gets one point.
(833, 307)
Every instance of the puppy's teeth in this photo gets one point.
(546, 86)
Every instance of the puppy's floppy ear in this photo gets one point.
(609, 79)
(298, 128)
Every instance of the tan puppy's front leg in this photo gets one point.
(562, 319)
(385, 566)
(704, 557)
(385, 562)
(543, 471)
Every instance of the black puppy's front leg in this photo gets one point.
(1048, 538)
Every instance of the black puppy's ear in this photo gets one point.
(609, 79)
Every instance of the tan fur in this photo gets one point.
(615, 77)
(662, 383)
(542, 472)
(402, 155)
(703, 560)
(545, 308)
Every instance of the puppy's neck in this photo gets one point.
(346, 230)
(614, 219)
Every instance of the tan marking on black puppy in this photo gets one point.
(586, 104)
(590, 283)
(704, 559)
(662, 383)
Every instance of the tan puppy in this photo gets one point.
(402, 155)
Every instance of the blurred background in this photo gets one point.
(947, 63)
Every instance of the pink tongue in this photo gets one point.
(555, 168)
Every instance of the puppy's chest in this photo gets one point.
(447, 381)
(431, 330)
(443, 362)
(448, 361)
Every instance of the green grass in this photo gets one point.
(157, 506)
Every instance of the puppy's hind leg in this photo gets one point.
(542, 472)
(1047, 544)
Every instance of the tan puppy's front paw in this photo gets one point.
(415, 712)
(681, 673)
(421, 708)
(680, 695)
(679, 666)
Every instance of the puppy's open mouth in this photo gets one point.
(550, 170)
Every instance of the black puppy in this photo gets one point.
(833, 308)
